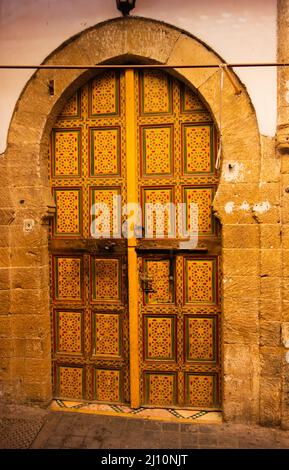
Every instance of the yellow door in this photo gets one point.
(135, 318)
(89, 277)
(179, 301)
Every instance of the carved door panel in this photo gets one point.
(179, 301)
(179, 330)
(89, 285)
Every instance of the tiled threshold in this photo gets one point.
(176, 415)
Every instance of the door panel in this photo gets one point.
(179, 301)
(89, 299)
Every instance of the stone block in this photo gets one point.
(154, 41)
(38, 370)
(4, 236)
(285, 262)
(37, 391)
(285, 334)
(270, 309)
(270, 359)
(270, 288)
(7, 348)
(32, 301)
(241, 236)
(285, 236)
(5, 326)
(30, 348)
(29, 257)
(270, 333)
(5, 200)
(270, 236)
(270, 164)
(234, 201)
(4, 373)
(241, 360)
(285, 290)
(4, 279)
(232, 122)
(241, 176)
(284, 161)
(284, 181)
(241, 322)
(238, 405)
(37, 238)
(242, 287)
(19, 132)
(4, 302)
(270, 394)
(270, 170)
(270, 192)
(240, 262)
(270, 216)
(4, 257)
(182, 53)
(28, 278)
(271, 262)
(285, 310)
(284, 206)
(285, 394)
(31, 326)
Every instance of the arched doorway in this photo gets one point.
(135, 319)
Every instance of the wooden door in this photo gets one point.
(89, 276)
(135, 321)
(179, 303)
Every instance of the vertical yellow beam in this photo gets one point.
(131, 166)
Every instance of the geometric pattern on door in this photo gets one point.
(89, 300)
(179, 292)
(179, 304)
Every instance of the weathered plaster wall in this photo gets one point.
(239, 31)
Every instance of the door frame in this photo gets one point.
(28, 140)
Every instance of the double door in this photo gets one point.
(135, 310)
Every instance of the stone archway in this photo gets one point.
(27, 375)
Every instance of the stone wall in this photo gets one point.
(247, 204)
(283, 156)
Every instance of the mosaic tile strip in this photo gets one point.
(170, 414)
